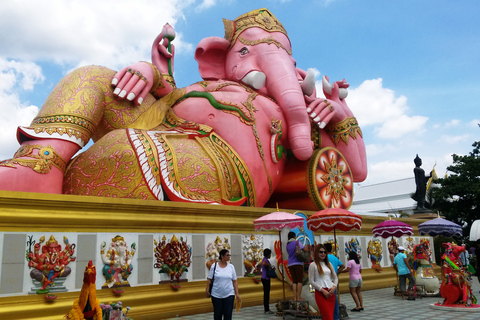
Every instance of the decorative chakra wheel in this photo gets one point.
(330, 181)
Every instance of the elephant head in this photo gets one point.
(257, 52)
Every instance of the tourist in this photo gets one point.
(225, 287)
(324, 280)
(338, 267)
(295, 266)
(266, 265)
(354, 268)
(400, 264)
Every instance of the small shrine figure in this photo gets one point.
(173, 258)
(375, 252)
(392, 249)
(117, 262)
(50, 262)
(253, 251)
(425, 276)
(213, 249)
(353, 246)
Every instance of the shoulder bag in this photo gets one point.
(213, 278)
(301, 255)
(271, 273)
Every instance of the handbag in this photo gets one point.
(271, 273)
(301, 255)
(213, 278)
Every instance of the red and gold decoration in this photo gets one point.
(49, 262)
(172, 258)
(325, 181)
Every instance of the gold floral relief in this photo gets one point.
(109, 168)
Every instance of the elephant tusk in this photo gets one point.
(308, 84)
(255, 79)
(327, 87)
(343, 93)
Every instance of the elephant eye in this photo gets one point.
(243, 51)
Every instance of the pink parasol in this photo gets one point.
(392, 228)
(277, 221)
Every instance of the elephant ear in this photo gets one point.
(211, 56)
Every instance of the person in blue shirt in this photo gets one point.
(400, 264)
(338, 267)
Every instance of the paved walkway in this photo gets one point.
(379, 304)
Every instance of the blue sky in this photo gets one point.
(413, 66)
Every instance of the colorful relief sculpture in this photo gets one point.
(213, 250)
(253, 252)
(49, 262)
(375, 253)
(353, 246)
(117, 262)
(392, 249)
(172, 258)
(222, 140)
(409, 244)
(87, 305)
(455, 289)
(426, 279)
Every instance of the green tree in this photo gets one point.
(458, 197)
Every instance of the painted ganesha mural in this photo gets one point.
(252, 130)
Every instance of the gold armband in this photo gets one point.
(344, 130)
(158, 80)
(43, 160)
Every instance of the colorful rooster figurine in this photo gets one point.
(87, 306)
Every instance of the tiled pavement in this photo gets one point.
(379, 304)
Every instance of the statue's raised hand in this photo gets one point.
(133, 82)
(333, 108)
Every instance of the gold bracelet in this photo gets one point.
(44, 159)
(344, 130)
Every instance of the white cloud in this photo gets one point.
(446, 139)
(475, 123)
(15, 77)
(113, 34)
(452, 123)
(374, 105)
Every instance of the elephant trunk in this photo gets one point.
(283, 85)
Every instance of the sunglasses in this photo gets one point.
(322, 251)
(227, 255)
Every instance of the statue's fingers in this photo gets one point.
(119, 90)
(137, 88)
(327, 119)
(134, 79)
(119, 76)
(143, 94)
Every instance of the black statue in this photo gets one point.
(421, 181)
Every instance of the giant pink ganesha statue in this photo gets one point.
(228, 139)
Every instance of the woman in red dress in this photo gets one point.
(324, 280)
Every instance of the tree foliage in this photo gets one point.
(458, 197)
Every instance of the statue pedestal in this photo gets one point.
(424, 215)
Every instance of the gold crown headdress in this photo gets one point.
(261, 18)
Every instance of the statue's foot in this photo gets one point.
(38, 166)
